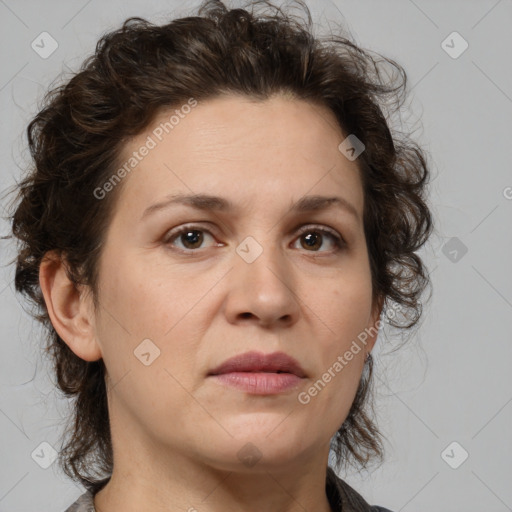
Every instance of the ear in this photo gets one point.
(69, 307)
(374, 324)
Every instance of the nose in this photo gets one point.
(262, 291)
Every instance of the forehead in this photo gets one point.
(229, 123)
(243, 148)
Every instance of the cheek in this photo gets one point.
(147, 300)
(342, 314)
(345, 307)
(140, 302)
(332, 391)
(146, 327)
(350, 312)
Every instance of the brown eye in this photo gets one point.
(313, 238)
(190, 238)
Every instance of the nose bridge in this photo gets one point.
(263, 282)
(261, 257)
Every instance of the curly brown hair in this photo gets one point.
(136, 71)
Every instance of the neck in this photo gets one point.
(177, 483)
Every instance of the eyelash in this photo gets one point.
(338, 241)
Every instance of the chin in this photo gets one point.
(258, 444)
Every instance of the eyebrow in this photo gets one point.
(205, 202)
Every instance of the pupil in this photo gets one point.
(192, 237)
(314, 238)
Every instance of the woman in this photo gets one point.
(217, 218)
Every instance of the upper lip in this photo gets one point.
(257, 361)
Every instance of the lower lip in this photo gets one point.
(262, 383)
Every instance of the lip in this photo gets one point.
(259, 362)
(256, 372)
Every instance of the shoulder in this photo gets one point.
(85, 503)
(343, 497)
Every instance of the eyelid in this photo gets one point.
(321, 228)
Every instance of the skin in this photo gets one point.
(176, 432)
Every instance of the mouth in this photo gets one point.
(257, 362)
(258, 373)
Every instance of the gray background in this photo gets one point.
(452, 381)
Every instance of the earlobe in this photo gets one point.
(69, 308)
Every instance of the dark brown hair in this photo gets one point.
(142, 68)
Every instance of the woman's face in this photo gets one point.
(257, 276)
